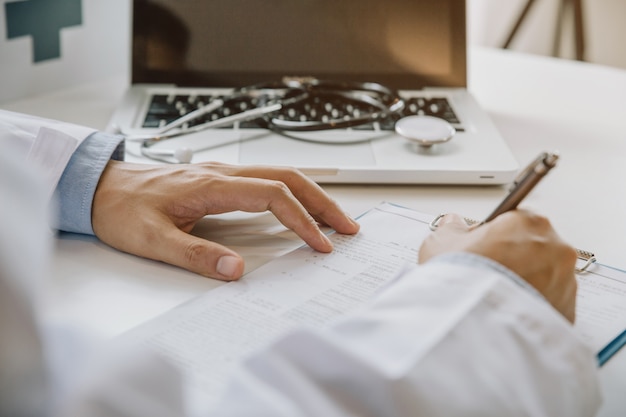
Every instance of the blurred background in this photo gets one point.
(47, 45)
(591, 30)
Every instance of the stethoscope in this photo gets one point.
(268, 103)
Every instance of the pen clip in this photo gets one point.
(546, 158)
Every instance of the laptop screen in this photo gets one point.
(405, 44)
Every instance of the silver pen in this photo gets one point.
(525, 182)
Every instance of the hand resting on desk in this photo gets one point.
(149, 210)
(523, 242)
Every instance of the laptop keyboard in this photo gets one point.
(164, 109)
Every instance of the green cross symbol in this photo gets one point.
(43, 21)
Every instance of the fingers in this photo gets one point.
(258, 195)
(295, 216)
(198, 255)
(310, 195)
(295, 200)
(135, 205)
(225, 194)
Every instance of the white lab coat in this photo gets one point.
(46, 144)
(445, 340)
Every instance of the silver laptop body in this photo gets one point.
(186, 53)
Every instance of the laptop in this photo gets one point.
(187, 53)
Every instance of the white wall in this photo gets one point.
(95, 49)
(491, 20)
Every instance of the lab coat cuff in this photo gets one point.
(475, 260)
(77, 186)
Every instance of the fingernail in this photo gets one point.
(228, 266)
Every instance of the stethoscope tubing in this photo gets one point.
(279, 96)
(213, 124)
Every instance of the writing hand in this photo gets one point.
(149, 210)
(523, 242)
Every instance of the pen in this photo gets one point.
(525, 182)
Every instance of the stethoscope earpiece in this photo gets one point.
(178, 155)
(183, 155)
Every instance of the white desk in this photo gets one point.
(538, 104)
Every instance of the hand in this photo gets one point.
(149, 210)
(523, 242)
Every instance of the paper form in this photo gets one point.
(601, 305)
(209, 335)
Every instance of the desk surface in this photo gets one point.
(538, 103)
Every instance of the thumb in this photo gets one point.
(199, 255)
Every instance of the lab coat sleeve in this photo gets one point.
(47, 368)
(24, 255)
(454, 337)
(46, 144)
(70, 159)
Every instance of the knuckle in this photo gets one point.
(543, 222)
(292, 172)
(295, 178)
(279, 188)
(537, 221)
(193, 252)
(287, 171)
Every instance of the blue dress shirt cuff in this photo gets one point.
(77, 186)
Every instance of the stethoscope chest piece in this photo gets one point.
(425, 131)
